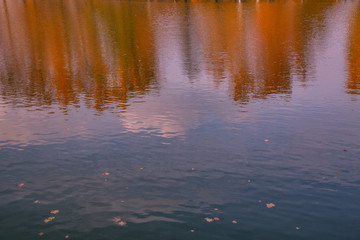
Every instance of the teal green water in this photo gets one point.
(169, 114)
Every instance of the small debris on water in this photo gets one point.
(105, 174)
(259, 201)
(215, 209)
(270, 205)
(49, 219)
(192, 230)
(297, 228)
(209, 219)
(249, 180)
(36, 201)
(40, 233)
(54, 211)
(216, 218)
(266, 140)
(234, 222)
(193, 169)
(21, 184)
(141, 168)
(116, 219)
(122, 223)
(67, 236)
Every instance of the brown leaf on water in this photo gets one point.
(209, 219)
(49, 219)
(122, 223)
(54, 211)
(116, 219)
(216, 218)
(21, 184)
(270, 205)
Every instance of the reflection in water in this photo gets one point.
(107, 51)
(353, 83)
(60, 50)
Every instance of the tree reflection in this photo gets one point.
(63, 50)
(353, 82)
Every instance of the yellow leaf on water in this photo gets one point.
(270, 205)
(116, 219)
(48, 219)
(54, 211)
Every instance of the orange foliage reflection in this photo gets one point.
(353, 82)
(62, 50)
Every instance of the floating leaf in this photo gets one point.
(266, 140)
(54, 211)
(116, 219)
(216, 218)
(21, 184)
(49, 219)
(297, 228)
(193, 169)
(122, 223)
(234, 221)
(249, 180)
(209, 219)
(40, 233)
(192, 230)
(215, 209)
(141, 168)
(270, 205)
(36, 201)
(67, 236)
(105, 174)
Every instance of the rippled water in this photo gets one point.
(195, 110)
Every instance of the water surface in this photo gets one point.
(195, 109)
